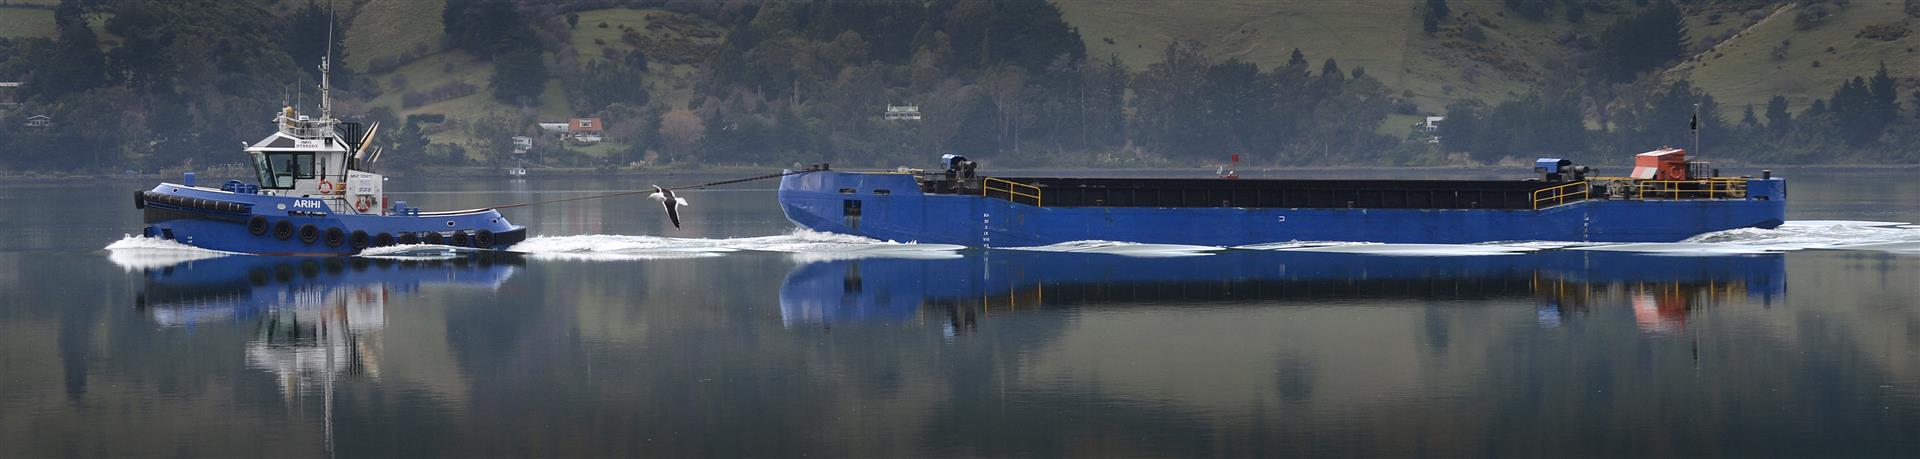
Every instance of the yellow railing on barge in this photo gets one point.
(1712, 188)
(1015, 191)
(1571, 192)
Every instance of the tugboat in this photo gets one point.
(316, 195)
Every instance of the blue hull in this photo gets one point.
(890, 206)
(283, 225)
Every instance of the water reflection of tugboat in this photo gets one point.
(963, 291)
(315, 320)
(317, 194)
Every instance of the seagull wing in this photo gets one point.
(672, 212)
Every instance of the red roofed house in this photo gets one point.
(585, 130)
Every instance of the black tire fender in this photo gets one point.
(309, 233)
(257, 226)
(359, 240)
(283, 230)
(335, 237)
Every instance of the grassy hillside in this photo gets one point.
(389, 29)
(17, 22)
(1384, 36)
(1514, 57)
(1744, 70)
(671, 75)
(398, 44)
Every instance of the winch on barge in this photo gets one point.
(1666, 199)
(316, 195)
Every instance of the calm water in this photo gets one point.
(750, 340)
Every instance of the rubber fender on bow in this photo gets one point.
(335, 237)
(257, 226)
(358, 240)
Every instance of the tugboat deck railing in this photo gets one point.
(307, 128)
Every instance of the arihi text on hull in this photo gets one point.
(1666, 199)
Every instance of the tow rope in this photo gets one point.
(677, 188)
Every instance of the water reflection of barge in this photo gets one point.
(1559, 283)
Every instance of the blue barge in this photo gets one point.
(1675, 199)
(317, 194)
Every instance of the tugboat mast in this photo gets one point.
(326, 97)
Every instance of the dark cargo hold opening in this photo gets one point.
(1333, 194)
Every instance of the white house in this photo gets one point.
(39, 121)
(903, 112)
(6, 94)
(521, 144)
(553, 128)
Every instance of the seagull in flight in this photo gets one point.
(671, 202)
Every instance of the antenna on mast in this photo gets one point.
(326, 97)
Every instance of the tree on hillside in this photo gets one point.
(305, 40)
(1030, 34)
(519, 77)
(486, 28)
(681, 132)
(1007, 90)
(1779, 120)
(1241, 100)
(74, 64)
(1166, 98)
(1102, 97)
(1462, 127)
(1437, 12)
(1884, 96)
(1666, 119)
(1643, 42)
(1531, 9)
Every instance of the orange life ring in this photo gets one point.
(361, 203)
(326, 187)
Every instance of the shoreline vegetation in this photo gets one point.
(593, 87)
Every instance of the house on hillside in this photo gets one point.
(553, 128)
(586, 130)
(1431, 127)
(7, 89)
(39, 122)
(521, 144)
(903, 112)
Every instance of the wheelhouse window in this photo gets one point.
(280, 170)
